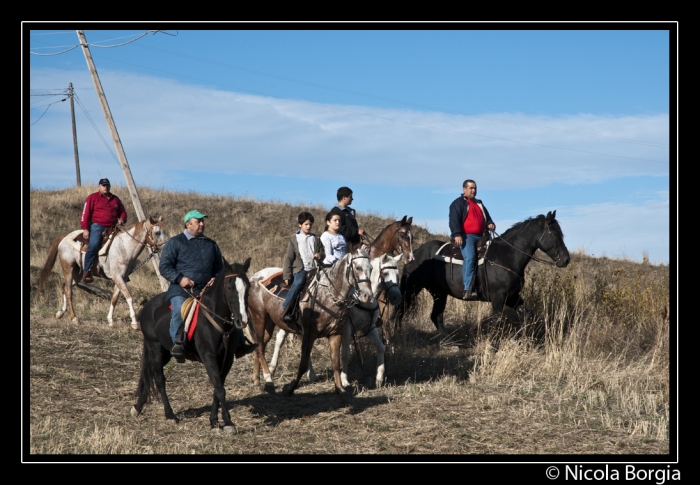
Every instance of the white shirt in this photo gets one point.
(306, 249)
(335, 245)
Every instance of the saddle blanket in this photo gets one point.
(189, 312)
(72, 240)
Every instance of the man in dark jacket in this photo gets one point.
(190, 260)
(101, 211)
(348, 224)
(468, 220)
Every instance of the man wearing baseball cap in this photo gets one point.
(101, 211)
(191, 261)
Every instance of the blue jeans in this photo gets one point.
(296, 287)
(93, 249)
(175, 317)
(468, 248)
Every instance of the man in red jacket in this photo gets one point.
(102, 210)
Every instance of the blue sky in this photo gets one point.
(577, 121)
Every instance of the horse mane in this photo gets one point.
(521, 226)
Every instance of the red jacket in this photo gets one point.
(102, 210)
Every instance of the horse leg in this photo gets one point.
(279, 341)
(373, 337)
(437, 313)
(345, 353)
(335, 342)
(210, 364)
(310, 374)
(154, 359)
(307, 342)
(112, 304)
(120, 285)
(263, 335)
(69, 274)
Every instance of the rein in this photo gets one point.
(149, 235)
(531, 256)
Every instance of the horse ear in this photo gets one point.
(246, 265)
(403, 221)
(550, 216)
(409, 221)
(397, 258)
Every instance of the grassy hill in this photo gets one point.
(589, 374)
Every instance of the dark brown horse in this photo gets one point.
(396, 237)
(323, 308)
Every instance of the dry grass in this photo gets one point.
(588, 375)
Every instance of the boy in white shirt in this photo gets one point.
(303, 248)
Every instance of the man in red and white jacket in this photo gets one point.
(102, 210)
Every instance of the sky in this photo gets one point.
(575, 118)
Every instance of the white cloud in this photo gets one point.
(165, 125)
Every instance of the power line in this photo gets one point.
(47, 108)
(80, 104)
(95, 45)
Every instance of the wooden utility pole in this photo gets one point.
(118, 145)
(75, 136)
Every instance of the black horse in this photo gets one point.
(499, 279)
(222, 314)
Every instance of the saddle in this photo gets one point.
(450, 253)
(275, 284)
(107, 236)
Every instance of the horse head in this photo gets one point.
(385, 277)
(235, 289)
(552, 240)
(358, 275)
(156, 235)
(405, 238)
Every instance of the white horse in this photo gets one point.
(361, 320)
(117, 261)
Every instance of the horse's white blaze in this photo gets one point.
(240, 289)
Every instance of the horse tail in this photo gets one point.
(50, 261)
(147, 386)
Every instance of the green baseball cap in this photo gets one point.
(194, 215)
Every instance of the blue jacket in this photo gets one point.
(458, 213)
(198, 258)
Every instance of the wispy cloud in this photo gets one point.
(166, 124)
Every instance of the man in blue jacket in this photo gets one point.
(468, 220)
(191, 260)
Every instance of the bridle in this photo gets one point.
(398, 236)
(208, 313)
(152, 246)
(531, 256)
(147, 241)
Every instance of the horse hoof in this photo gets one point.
(134, 412)
(134, 326)
(172, 421)
(288, 390)
(75, 321)
(230, 429)
(59, 314)
(269, 388)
